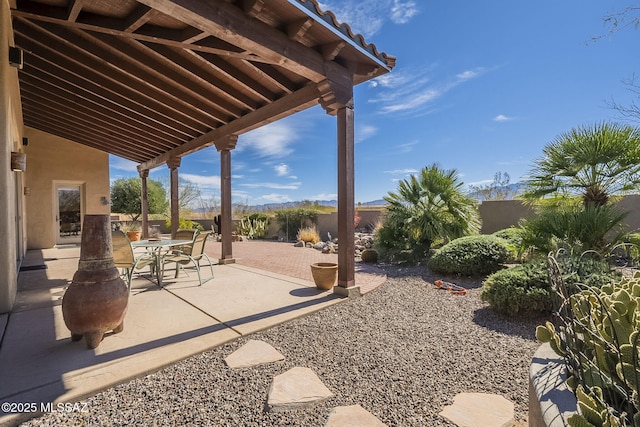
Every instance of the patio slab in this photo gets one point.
(39, 363)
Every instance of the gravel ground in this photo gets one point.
(402, 352)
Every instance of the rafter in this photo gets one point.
(287, 105)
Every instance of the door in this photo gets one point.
(68, 213)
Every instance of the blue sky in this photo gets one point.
(480, 87)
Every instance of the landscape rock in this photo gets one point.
(253, 353)
(297, 387)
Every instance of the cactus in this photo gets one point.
(252, 228)
(604, 343)
(369, 256)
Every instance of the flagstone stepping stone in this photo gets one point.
(253, 353)
(479, 410)
(352, 416)
(296, 388)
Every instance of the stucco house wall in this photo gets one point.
(51, 160)
(12, 228)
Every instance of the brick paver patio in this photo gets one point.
(284, 258)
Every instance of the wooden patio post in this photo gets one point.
(224, 146)
(346, 204)
(144, 202)
(174, 164)
(336, 97)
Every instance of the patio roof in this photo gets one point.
(149, 80)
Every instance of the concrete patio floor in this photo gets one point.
(40, 365)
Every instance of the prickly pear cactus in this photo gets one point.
(601, 344)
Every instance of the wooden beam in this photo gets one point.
(297, 29)
(229, 23)
(252, 7)
(283, 107)
(331, 50)
(74, 8)
(140, 16)
(57, 15)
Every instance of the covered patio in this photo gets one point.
(39, 363)
(155, 80)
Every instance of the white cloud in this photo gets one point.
(402, 12)
(409, 94)
(406, 147)
(275, 198)
(125, 165)
(323, 196)
(368, 17)
(273, 140)
(282, 169)
(364, 132)
(402, 171)
(203, 181)
(502, 118)
(273, 185)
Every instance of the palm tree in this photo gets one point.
(427, 208)
(592, 162)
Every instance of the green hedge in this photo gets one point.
(470, 256)
(525, 289)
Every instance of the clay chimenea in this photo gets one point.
(96, 301)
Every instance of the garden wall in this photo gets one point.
(499, 214)
(495, 214)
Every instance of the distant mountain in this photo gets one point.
(506, 192)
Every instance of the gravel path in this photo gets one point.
(402, 352)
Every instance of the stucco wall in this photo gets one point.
(11, 224)
(51, 160)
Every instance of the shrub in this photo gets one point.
(186, 223)
(292, 220)
(513, 239)
(309, 234)
(470, 256)
(522, 289)
(428, 207)
(369, 256)
(526, 289)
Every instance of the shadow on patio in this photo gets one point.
(40, 364)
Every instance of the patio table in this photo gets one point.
(157, 245)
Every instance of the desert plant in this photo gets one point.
(186, 223)
(252, 228)
(526, 288)
(130, 226)
(513, 241)
(308, 235)
(426, 208)
(593, 162)
(569, 224)
(369, 256)
(601, 344)
(292, 220)
(470, 256)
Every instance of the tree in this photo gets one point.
(498, 190)
(126, 197)
(593, 162)
(426, 208)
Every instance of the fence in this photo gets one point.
(596, 330)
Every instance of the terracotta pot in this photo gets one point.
(324, 274)
(97, 299)
(134, 236)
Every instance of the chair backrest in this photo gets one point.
(198, 244)
(122, 250)
(186, 234)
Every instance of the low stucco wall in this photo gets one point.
(550, 400)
